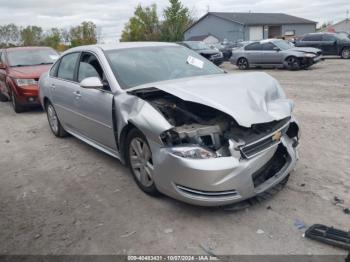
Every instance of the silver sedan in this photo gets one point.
(275, 53)
(183, 126)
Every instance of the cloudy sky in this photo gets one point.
(111, 15)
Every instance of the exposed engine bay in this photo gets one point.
(197, 124)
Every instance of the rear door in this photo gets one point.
(65, 91)
(253, 53)
(329, 44)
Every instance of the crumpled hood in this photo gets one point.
(306, 49)
(250, 98)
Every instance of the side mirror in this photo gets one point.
(91, 83)
(276, 49)
(2, 66)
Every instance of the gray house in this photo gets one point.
(235, 27)
(342, 26)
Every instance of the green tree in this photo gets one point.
(83, 34)
(9, 35)
(31, 35)
(177, 19)
(143, 26)
(52, 38)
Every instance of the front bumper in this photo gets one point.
(28, 95)
(219, 181)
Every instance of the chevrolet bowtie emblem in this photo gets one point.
(277, 136)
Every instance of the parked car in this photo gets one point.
(20, 69)
(185, 127)
(204, 50)
(275, 53)
(329, 43)
(226, 50)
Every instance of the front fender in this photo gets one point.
(134, 110)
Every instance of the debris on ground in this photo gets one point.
(168, 230)
(299, 224)
(260, 231)
(346, 211)
(238, 206)
(303, 185)
(329, 235)
(37, 236)
(128, 234)
(337, 201)
(207, 251)
(268, 207)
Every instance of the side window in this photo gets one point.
(254, 46)
(268, 46)
(53, 71)
(327, 37)
(67, 65)
(89, 66)
(312, 38)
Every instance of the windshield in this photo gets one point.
(197, 45)
(138, 66)
(32, 57)
(283, 45)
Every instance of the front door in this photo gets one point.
(95, 105)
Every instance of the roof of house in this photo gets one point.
(199, 37)
(258, 18)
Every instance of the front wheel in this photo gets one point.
(243, 63)
(292, 63)
(139, 159)
(54, 122)
(16, 106)
(345, 53)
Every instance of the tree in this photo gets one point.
(9, 35)
(143, 26)
(83, 34)
(52, 38)
(177, 19)
(31, 35)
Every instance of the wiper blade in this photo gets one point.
(46, 63)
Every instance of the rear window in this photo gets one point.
(312, 38)
(254, 46)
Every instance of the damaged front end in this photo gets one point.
(201, 132)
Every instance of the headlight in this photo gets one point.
(194, 152)
(26, 82)
(310, 55)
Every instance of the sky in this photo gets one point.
(111, 15)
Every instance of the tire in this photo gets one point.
(54, 122)
(139, 159)
(345, 53)
(16, 106)
(292, 63)
(3, 98)
(243, 63)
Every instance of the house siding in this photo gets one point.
(300, 29)
(220, 28)
(343, 26)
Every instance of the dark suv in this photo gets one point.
(329, 43)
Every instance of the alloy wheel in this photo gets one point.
(345, 53)
(141, 161)
(243, 63)
(52, 117)
(293, 63)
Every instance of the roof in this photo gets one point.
(199, 37)
(258, 18)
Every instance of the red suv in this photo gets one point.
(20, 69)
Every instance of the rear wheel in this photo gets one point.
(139, 159)
(54, 122)
(292, 63)
(16, 106)
(345, 53)
(243, 63)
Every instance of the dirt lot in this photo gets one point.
(61, 196)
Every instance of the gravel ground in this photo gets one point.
(61, 196)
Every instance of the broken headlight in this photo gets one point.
(193, 152)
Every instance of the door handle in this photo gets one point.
(77, 94)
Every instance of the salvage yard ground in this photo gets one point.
(61, 196)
